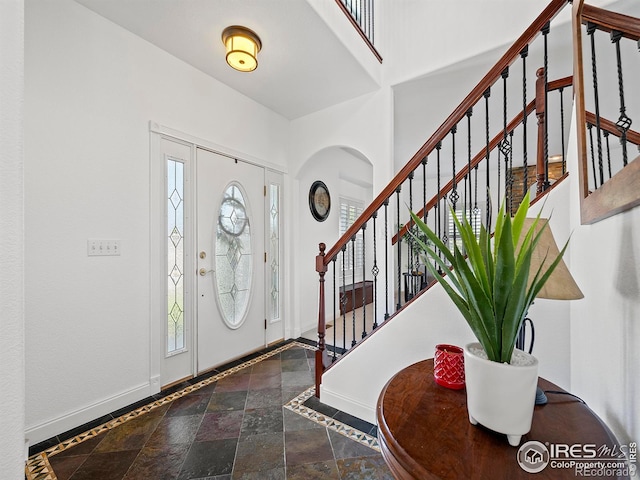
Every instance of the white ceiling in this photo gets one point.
(302, 67)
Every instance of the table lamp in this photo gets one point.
(559, 286)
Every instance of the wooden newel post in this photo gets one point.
(540, 113)
(321, 268)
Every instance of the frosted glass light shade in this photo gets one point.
(242, 47)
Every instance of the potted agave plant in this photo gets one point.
(491, 286)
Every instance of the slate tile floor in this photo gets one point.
(256, 420)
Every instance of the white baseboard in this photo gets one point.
(347, 405)
(37, 433)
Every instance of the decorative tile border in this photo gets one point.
(39, 468)
(297, 405)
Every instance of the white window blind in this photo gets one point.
(349, 212)
(452, 231)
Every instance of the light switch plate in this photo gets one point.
(102, 247)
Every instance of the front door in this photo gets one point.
(230, 258)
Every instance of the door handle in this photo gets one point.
(203, 271)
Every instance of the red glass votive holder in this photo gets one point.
(448, 366)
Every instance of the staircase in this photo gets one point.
(489, 151)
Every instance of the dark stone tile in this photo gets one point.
(271, 397)
(354, 422)
(83, 448)
(218, 425)
(314, 404)
(191, 404)
(131, 435)
(272, 474)
(292, 353)
(221, 401)
(206, 459)
(265, 381)
(307, 446)
(290, 393)
(105, 466)
(294, 421)
(314, 471)
(172, 430)
(298, 379)
(64, 467)
(262, 420)
(208, 389)
(374, 431)
(364, 468)
(164, 462)
(270, 366)
(344, 447)
(295, 365)
(233, 383)
(259, 453)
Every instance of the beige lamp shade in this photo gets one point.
(242, 47)
(560, 285)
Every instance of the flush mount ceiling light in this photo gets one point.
(242, 46)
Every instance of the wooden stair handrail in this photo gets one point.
(480, 156)
(458, 114)
(608, 21)
(611, 127)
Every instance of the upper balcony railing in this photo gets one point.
(606, 71)
(361, 15)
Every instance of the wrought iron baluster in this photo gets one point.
(343, 300)
(510, 182)
(591, 28)
(593, 159)
(364, 282)
(409, 243)
(467, 205)
(399, 247)
(525, 181)
(353, 289)
(386, 259)
(545, 34)
(424, 189)
(438, 212)
(375, 271)
(564, 160)
(453, 196)
(487, 94)
(335, 317)
(606, 141)
(505, 146)
(624, 122)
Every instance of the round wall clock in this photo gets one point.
(319, 201)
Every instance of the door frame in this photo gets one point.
(157, 245)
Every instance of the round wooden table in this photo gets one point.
(424, 432)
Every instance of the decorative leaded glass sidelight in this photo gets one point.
(274, 247)
(234, 256)
(175, 256)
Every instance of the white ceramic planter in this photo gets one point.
(501, 396)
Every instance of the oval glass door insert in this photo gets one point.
(234, 256)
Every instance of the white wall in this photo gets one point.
(12, 228)
(605, 328)
(361, 127)
(328, 165)
(91, 89)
